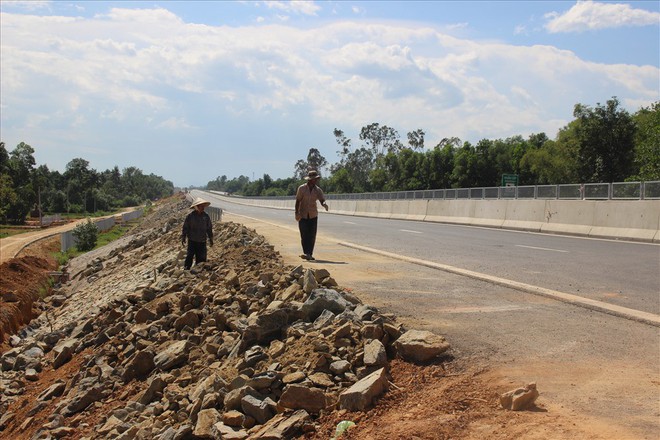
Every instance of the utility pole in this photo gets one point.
(41, 217)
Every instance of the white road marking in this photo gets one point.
(408, 230)
(482, 309)
(349, 223)
(612, 309)
(540, 248)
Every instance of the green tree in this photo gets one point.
(339, 182)
(555, 162)
(381, 139)
(219, 184)
(79, 181)
(314, 161)
(465, 171)
(344, 144)
(237, 184)
(4, 159)
(56, 201)
(416, 139)
(440, 162)
(534, 142)
(411, 169)
(111, 184)
(42, 185)
(8, 197)
(7, 193)
(359, 165)
(647, 143)
(606, 142)
(20, 166)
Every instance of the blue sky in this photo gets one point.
(193, 90)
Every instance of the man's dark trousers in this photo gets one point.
(307, 227)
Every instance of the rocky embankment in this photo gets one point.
(134, 347)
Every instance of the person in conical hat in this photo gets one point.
(307, 214)
(197, 228)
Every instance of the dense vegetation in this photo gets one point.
(602, 144)
(78, 190)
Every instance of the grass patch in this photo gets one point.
(64, 257)
(112, 234)
(8, 230)
(78, 216)
(45, 289)
(104, 238)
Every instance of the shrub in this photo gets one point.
(75, 208)
(86, 235)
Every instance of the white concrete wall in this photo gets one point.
(619, 219)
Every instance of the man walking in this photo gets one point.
(307, 214)
(196, 227)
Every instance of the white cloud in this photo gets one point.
(174, 123)
(457, 26)
(28, 5)
(590, 15)
(304, 7)
(520, 30)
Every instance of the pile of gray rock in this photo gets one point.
(239, 347)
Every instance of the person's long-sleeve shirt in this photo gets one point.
(196, 227)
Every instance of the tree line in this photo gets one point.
(601, 144)
(80, 189)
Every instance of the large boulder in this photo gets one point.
(420, 345)
(323, 299)
(296, 396)
(362, 393)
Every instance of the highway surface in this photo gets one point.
(622, 273)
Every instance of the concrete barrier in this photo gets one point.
(616, 218)
(629, 219)
(409, 209)
(372, 208)
(384, 208)
(343, 207)
(575, 217)
(438, 211)
(525, 215)
(490, 213)
(460, 211)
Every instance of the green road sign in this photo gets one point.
(509, 180)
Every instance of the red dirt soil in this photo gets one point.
(20, 282)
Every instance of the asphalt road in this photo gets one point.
(622, 273)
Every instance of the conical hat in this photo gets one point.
(199, 201)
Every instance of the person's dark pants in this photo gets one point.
(196, 249)
(307, 228)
